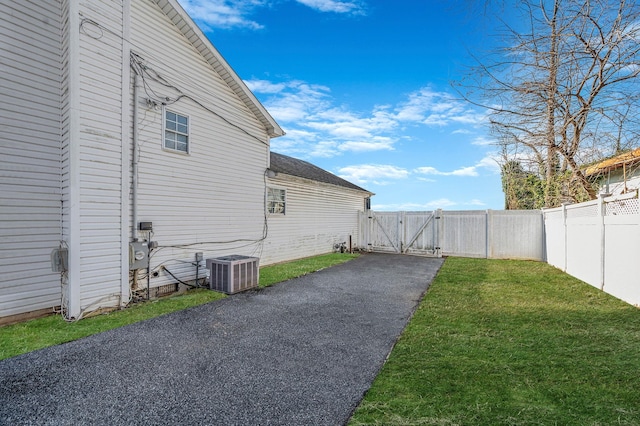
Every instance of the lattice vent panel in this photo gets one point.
(623, 207)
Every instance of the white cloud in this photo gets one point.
(296, 142)
(222, 13)
(376, 144)
(226, 14)
(333, 6)
(325, 149)
(427, 170)
(441, 203)
(345, 125)
(461, 132)
(322, 128)
(265, 86)
(464, 171)
(292, 101)
(482, 141)
(435, 120)
(372, 173)
(433, 108)
(489, 163)
(468, 117)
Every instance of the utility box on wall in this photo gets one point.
(138, 255)
(232, 274)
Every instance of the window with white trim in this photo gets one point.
(176, 132)
(276, 200)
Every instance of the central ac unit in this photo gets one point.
(231, 274)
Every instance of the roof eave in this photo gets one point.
(194, 34)
(358, 189)
(627, 159)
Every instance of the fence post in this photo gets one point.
(564, 231)
(601, 215)
(441, 232)
(543, 255)
(369, 222)
(364, 224)
(401, 232)
(437, 225)
(487, 233)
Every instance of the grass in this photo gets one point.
(16, 339)
(39, 333)
(270, 275)
(510, 343)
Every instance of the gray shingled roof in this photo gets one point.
(292, 166)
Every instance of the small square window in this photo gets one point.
(176, 132)
(276, 200)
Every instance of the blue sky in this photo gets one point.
(362, 89)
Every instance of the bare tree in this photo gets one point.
(564, 92)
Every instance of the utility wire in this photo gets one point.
(147, 72)
(141, 69)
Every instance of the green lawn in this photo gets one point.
(39, 333)
(511, 343)
(270, 275)
(16, 339)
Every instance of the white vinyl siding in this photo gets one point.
(93, 221)
(30, 195)
(213, 199)
(318, 216)
(66, 158)
(616, 182)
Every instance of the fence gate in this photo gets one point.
(402, 232)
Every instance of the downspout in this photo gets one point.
(134, 161)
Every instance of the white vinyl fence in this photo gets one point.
(599, 243)
(494, 234)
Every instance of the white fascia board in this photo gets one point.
(192, 32)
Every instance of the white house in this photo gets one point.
(123, 125)
(310, 210)
(617, 175)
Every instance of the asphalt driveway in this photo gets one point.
(302, 352)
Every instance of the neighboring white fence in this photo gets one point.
(599, 243)
(494, 234)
